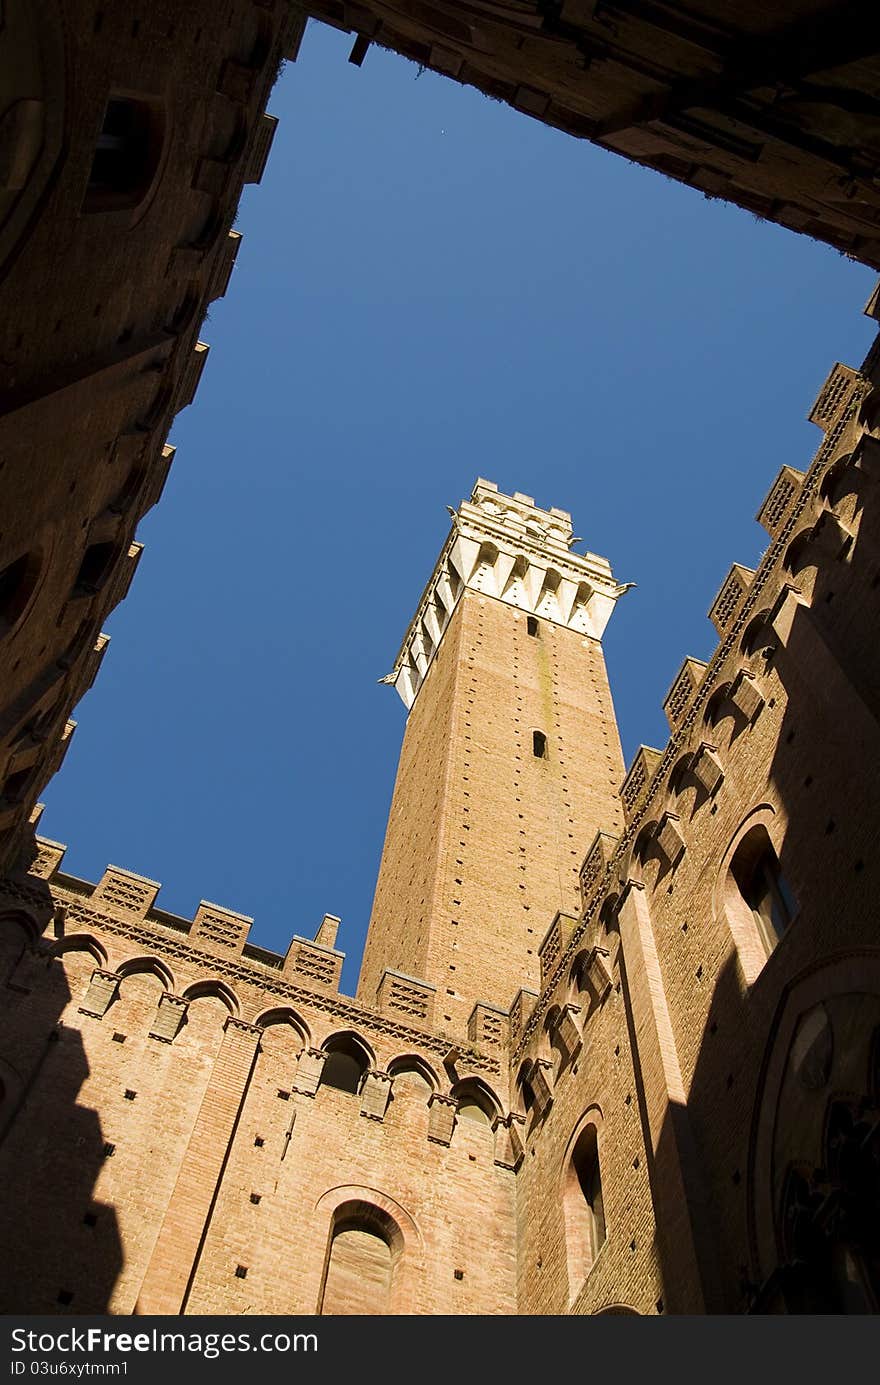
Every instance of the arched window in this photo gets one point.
(584, 1207)
(17, 582)
(762, 888)
(365, 1247)
(476, 1112)
(95, 568)
(414, 1081)
(127, 152)
(346, 1063)
(470, 1109)
(525, 1088)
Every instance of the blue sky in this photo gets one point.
(431, 287)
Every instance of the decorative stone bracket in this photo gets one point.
(567, 1032)
(706, 769)
(669, 841)
(101, 993)
(441, 1118)
(375, 1094)
(598, 974)
(745, 695)
(309, 1067)
(170, 1015)
(541, 1083)
(508, 1144)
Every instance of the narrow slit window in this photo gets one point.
(539, 745)
(532, 625)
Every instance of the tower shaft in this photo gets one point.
(510, 762)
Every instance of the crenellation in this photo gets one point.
(314, 962)
(834, 396)
(123, 890)
(596, 863)
(638, 778)
(49, 857)
(161, 936)
(555, 941)
(398, 993)
(780, 497)
(731, 595)
(684, 685)
(510, 549)
(488, 1025)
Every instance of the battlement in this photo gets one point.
(221, 935)
(509, 549)
(214, 927)
(749, 616)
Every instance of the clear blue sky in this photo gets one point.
(431, 287)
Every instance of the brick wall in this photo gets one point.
(485, 839)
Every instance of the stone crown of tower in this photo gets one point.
(508, 548)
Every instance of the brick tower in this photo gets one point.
(511, 759)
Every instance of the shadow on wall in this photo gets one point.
(783, 1114)
(60, 1249)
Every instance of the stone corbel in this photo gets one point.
(567, 1033)
(241, 1027)
(441, 1118)
(170, 1015)
(375, 1094)
(102, 991)
(541, 1083)
(508, 1144)
(669, 841)
(745, 695)
(706, 769)
(309, 1067)
(598, 974)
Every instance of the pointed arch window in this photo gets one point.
(346, 1064)
(363, 1256)
(762, 887)
(584, 1205)
(127, 152)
